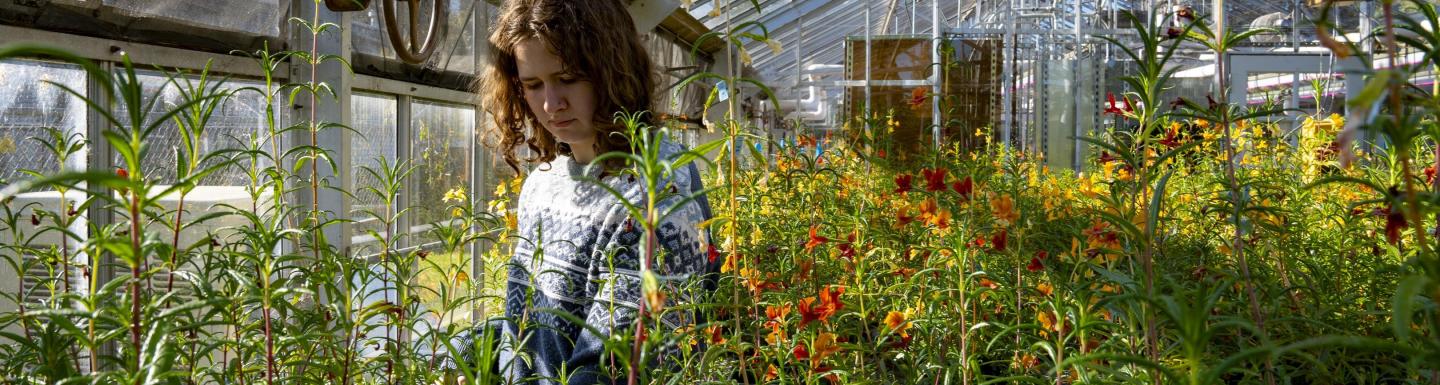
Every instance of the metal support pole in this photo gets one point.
(1007, 78)
(1295, 26)
(937, 72)
(1076, 158)
(480, 155)
(1218, 12)
(102, 160)
(867, 62)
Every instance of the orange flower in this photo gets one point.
(815, 239)
(829, 304)
(896, 321)
(716, 337)
(1026, 361)
(1045, 289)
(1047, 321)
(1003, 208)
(903, 217)
(917, 98)
(776, 336)
(729, 265)
(777, 313)
(824, 347)
(932, 214)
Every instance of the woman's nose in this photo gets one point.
(554, 99)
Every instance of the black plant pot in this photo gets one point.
(347, 5)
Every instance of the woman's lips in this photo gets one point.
(562, 124)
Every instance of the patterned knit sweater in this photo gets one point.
(579, 253)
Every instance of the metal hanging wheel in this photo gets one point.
(414, 50)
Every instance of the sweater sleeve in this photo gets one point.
(614, 287)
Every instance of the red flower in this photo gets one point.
(917, 98)
(999, 240)
(1173, 33)
(829, 304)
(711, 254)
(1105, 157)
(1113, 109)
(1394, 222)
(965, 187)
(847, 249)
(934, 179)
(122, 173)
(1171, 140)
(880, 153)
(800, 352)
(902, 343)
(1430, 175)
(815, 239)
(978, 242)
(902, 183)
(1036, 264)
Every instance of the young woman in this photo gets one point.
(560, 71)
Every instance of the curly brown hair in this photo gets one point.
(596, 41)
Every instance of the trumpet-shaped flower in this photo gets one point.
(815, 239)
(822, 306)
(964, 187)
(934, 179)
(902, 183)
(1003, 208)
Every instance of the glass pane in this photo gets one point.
(375, 120)
(456, 53)
(238, 119)
(29, 107)
(440, 150)
(258, 17)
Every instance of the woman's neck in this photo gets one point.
(583, 153)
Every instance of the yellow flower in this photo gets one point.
(457, 212)
(456, 195)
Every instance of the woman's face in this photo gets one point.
(562, 102)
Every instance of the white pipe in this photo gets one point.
(812, 107)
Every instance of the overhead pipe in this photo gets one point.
(813, 106)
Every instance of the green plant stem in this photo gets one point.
(175, 243)
(135, 317)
